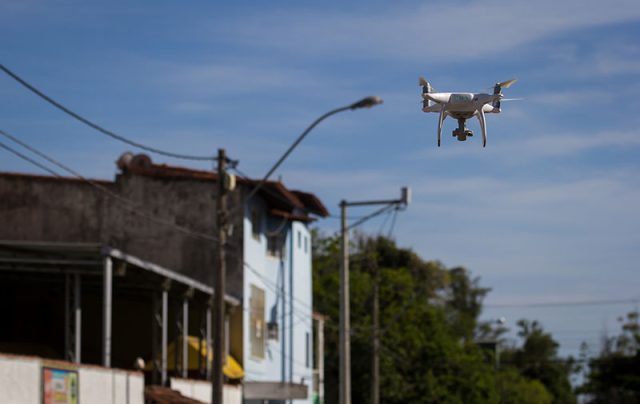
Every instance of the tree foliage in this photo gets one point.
(429, 324)
(537, 360)
(614, 376)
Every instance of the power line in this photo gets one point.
(393, 223)
(370, 216)
(98, 127)
(274, 287)
(26, 158)
(126, 203)
(130, 206)
(561, 304)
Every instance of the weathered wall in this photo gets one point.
(37, 208)
(189, 203)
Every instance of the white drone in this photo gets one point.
(463, 106)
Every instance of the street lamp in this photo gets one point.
(345, 321)
(219, 281)
(366, 102)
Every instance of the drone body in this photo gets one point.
(462, 106)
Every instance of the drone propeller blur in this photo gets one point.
(463, 106)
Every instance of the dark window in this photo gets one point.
(256, 223)
(299, 240)
(275, 245)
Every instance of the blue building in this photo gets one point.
(278, 293)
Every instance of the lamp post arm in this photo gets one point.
(293, 146)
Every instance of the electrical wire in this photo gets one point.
(393, 223)
(384, 222)
(273, 285)
(370, 216)
(563, 304)
(97, 127)
(125, 203)
(130, 206)
(28, 159)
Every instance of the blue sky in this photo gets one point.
(547, 212)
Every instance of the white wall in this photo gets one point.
(21, 382)
(200, 390)
(110, 386)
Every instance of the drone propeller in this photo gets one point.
(507, 84)
(422, 81)
(512, 99)
(497, 89)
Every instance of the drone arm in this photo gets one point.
(483, 126)
(440, 122)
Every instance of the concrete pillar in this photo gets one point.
(209, 341)
(165, 333)
(185, 337)
(106, 306)
(77, 310)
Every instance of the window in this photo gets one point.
(256, 319)
(306, 244)
(256, 223)
(299, 239)
(275, 245)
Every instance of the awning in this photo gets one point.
(232, 369)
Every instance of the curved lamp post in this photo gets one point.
(366, 102)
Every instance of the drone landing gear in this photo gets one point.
(462, 132)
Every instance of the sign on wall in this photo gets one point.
(59, 386)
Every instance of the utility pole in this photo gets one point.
(375, 357)
(345, 323)
(219, 355)
(345, 319)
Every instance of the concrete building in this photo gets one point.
(109, 272)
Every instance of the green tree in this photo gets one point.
(428, 314)
(517, 389)
(537, 359)
(614, 376)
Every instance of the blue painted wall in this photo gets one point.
(286, 281)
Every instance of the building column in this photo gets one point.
(208, 337)
(185, 335)
(77, 315)
(67, 318)
(107, 296)
(165, 333)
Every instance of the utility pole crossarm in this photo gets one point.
(404, 200)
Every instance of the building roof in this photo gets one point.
(275, 193)
(297, 204)
(52, 178)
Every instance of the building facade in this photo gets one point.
(155, 216)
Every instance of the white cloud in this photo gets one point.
(427, 33)
(572, 98)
